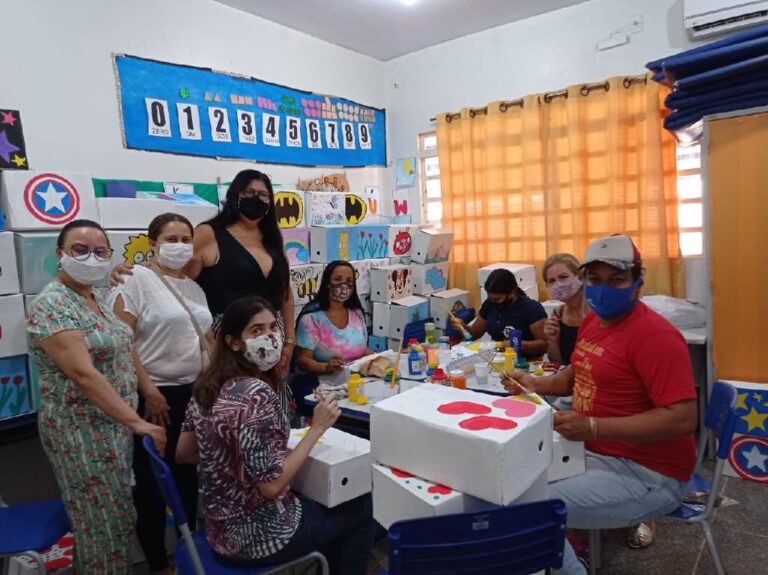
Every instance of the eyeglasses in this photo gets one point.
(80, 252)
(263, 195)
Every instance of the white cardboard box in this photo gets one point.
(325, 208)
(137, 213)
(429, 278)
(362, 276)
(390, 319)
(399, 495)
(356, 210)
(365, 300)
(567, 458)
(9, 273)
(297, 245)
(305, 281)
(441, 302)
(401, 238)
(330, 243)
(13, 328)
(531, 291)
(131, 247)
(290, 209)
(36, 259)
(525, 274)
(390, 283)
(430, 246)
(337, 470)
(40, 200)
(493, 448)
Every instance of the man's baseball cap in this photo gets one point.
(617, 250)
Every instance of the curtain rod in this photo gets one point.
(585, 90)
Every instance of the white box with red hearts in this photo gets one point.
(491, 447)
(337, 470)
(567, 458)
(400, 495)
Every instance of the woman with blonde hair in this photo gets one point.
(561, 276)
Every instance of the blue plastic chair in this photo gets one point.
(720, 419)
(513, 540)
(193, 553)
(27, 529)
(415, 330)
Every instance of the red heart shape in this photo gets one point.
(515, 407)
(5, 379)
(440, 489)
(482, 422)
(400, 473)
(461, 407)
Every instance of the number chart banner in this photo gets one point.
(200, 112)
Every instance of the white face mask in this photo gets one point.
(264, 350)
(88, 272)
(174, 255)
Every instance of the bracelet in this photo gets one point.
(593, 427)
(290, 341)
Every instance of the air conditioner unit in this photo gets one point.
(711, 17)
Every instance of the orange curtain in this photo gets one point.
(522, 182)
(737, 176)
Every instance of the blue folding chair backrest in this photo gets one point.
(512, 540)
(165, 481)
(720, 418)
(415, 330)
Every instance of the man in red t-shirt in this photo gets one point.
(634, 402)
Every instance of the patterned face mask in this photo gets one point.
(565, 290)
(264, 350)
(341, 292)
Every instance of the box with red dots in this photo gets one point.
(14, 387)
(493, 448)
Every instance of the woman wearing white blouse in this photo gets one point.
(168, 313)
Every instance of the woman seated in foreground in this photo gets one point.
(331, 329)
(238, 433)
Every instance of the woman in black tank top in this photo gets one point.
(561, 278)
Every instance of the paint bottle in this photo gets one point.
(353, 384)
(430, 335)
(431, 369)
(439, 377)
(414, 362)
(444, 342)
(509, 359)
(422, 357)
(458, 379)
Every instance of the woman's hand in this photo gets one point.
(458, 324)
(509, 378)
(284, 365)
(156, 432)
(156, 408)
(552, 329)
(336, 364)
(118, 272)
(325, 414)
(572, 425)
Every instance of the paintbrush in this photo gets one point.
(532, 397)
(465, 334)
(396, 368)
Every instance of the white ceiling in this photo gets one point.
(386, 29)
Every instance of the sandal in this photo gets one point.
(641, 536)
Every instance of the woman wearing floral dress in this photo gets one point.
(88, 400)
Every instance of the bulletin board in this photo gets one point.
(202, 112)
(737, 179)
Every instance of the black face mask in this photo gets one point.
(252, 208)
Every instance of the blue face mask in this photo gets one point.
(611, 302)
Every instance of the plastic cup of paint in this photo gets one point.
(482, 370)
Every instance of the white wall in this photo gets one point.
(57, 70)
(544, 53)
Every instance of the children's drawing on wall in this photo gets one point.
(400, 206)
(372, 197)
(371, 245)
(402, 243)
(406, 172)
(14, 391)
(13, 150)
(289, 209)
(137, 250)
(330, 183)
(355, 209)
(398, 283)
(436, 279)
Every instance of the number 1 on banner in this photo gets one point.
(219, 124)
(246, 127)
(270, 129)
(349, 135)
(332, 135)
(189, 121)
(158, 123)
(293, 129)
(313, 134)
(364, 135)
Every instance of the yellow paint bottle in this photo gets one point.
(509, 359)
(354, 382)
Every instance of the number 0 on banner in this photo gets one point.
(158, 123)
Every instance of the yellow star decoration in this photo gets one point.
(18, 160)
(758, 397)
(740, 399)
(755, 420)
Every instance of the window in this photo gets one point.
(690, 210)
(429, 180)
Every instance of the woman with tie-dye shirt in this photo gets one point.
(331, 330)
(238, 434)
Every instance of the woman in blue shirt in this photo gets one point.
(508, 306)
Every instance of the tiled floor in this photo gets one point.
(740, 524)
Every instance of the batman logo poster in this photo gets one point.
(289, 209)
(354, 209)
